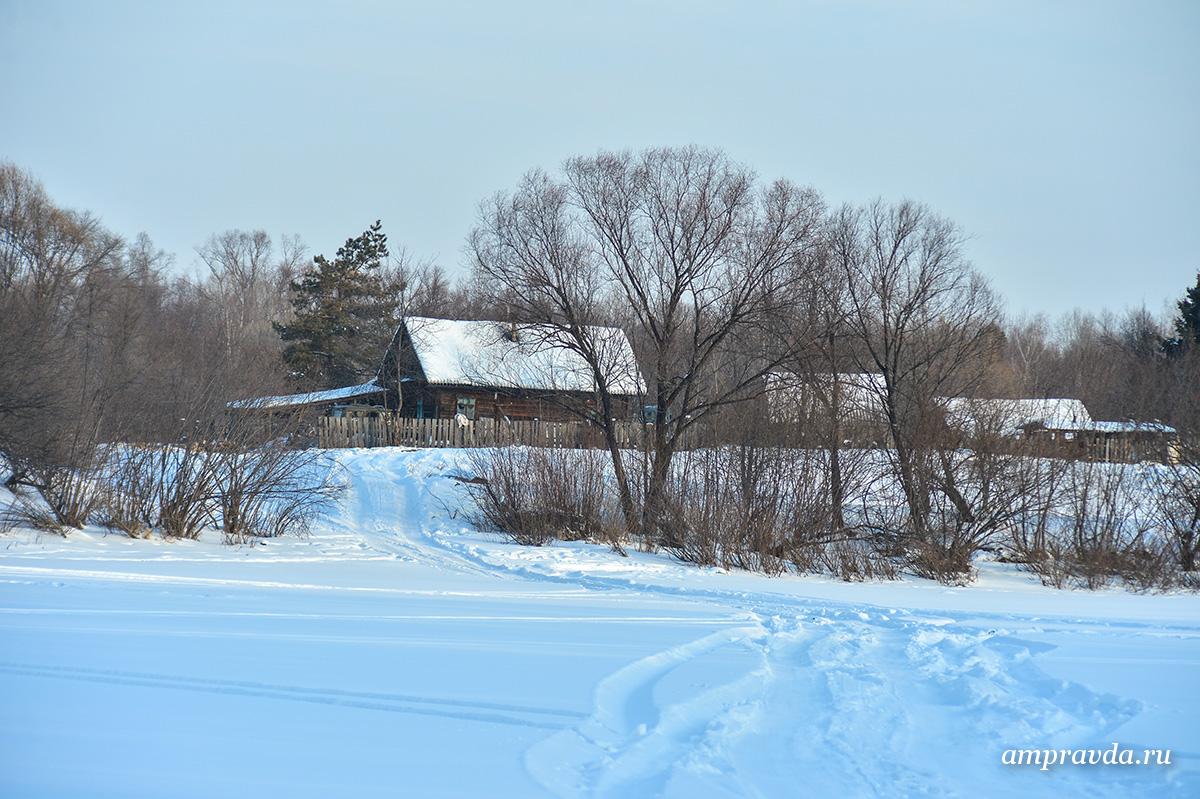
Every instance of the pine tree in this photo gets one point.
(345, 315)
(1187, 324)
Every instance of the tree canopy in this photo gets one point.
(345, 313)
(1187, 324)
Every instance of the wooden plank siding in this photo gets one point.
(429, 401)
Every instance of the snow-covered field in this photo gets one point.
(395, 653)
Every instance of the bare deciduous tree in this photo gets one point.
(925, 322)
(682, 249)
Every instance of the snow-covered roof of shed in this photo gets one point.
(307, 398)
(1123, 427)
(480, 353)
(1012, 415)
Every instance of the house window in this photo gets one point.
(465, 406)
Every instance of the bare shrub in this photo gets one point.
(1174, 490)
(853, 559)
(269, 490)
(1032, 539)
(764, 509)
(72, 492)
(29, 512)
(535, 495)
(130, 492)
(975, 496)
(734, 507)
(187, 478)
(1103, 538)
(159, 487)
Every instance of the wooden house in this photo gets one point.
(1064, 428)
(442, 368)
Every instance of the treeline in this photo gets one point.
(104, 339)
(725, 286)
(723, 283)
(115, 369)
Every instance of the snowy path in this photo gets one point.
(394, 654)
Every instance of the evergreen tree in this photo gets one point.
(345, 315)
(1187, 324)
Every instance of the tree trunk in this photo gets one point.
(660, 467)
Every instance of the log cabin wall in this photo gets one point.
(441, 402)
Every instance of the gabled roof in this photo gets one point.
(307, 398)
(1010, 416)
(862, 395)
(481, 353)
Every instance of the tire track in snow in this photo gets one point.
(851, 704)
(393, 508)
(492, 712)
(884, 673)
(627, 746)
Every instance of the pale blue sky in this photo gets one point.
(1063, 136)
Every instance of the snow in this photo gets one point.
(395, 652)
(1120, 427)
(308, 398)
(863, 398)
(1012, 415)
(475, 353)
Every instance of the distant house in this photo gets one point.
(482, 369)
(1058, 426)
(1063, 426)
(1015, 417)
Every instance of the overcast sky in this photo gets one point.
(1062, 136)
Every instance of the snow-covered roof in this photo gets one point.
(1124, 427)
(862, 396)
(478, 353)
(308, 398)
(1010, 416)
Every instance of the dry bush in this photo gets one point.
(159, 487)
(1102, 537)
(535, 495)
(853, 560)
(765, 509)
(1174, 490)
(975, 496)
(725, 507)
(1031, 532)
(128, 502)
(1032, 536)
(72, 491)
(187, 479)
(28, 512)
(269, 490)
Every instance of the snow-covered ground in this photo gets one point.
(395, 653)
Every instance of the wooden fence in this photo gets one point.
(390, 430)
